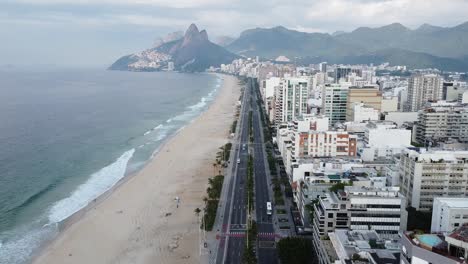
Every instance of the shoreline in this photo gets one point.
(48, 252)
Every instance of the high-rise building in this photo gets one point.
(442, 121)
(425, 175)
(323, 67)
(334, 101)
(368, 95)
(342, 72)
(291, 99)
(422, 89)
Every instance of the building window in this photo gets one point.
(330, 224)
(330, 215)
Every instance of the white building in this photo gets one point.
(422, 89)
(448, 214)
(425, 175)
(383, 140)
(361, 113)
(347, 246)
(361, 208)
(311, 122)
(291, 99)
(442, 121)
(401, 117)
(389, 104)
(269, 86)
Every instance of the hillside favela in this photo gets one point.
(238, 132)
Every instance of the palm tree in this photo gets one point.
(197, 211)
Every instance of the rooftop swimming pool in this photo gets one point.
(429, 240)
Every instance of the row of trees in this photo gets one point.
(211, 202)
(249, 256)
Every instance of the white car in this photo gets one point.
(238, 161)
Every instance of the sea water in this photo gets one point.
(69, 135)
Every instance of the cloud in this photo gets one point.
(233, 16)
(127, 25)
(163, 3)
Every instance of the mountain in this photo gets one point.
(191, 53)
(427, 28)
(396, 57)
(223, 41)
(273, 42)
(428, 44)
(168, 38)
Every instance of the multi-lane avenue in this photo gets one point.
(234, 216)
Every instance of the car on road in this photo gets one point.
(238, 161)
(243, 146)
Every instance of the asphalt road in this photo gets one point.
(266, 253)
(233, 231)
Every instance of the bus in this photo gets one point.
(268, 208)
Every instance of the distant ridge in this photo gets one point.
(191, 53)
(444, 47)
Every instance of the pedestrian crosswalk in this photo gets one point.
(243, 234)
(272, 235)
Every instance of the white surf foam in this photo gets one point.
(147, 132)
(158, 127)
(195, 109)
(19, 249)
(169, 120)
(98, 183)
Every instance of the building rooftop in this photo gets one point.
(436, 155)
(460, 233)
(436, 243)
(454, 202)
(364, 243)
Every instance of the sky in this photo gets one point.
(97, 32)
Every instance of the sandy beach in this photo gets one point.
(131, 224)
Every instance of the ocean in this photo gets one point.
(69, 135)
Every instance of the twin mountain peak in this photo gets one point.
(191, 52)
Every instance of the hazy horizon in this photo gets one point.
(95, 33)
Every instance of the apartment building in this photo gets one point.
(291, 98)
(323, 144)
(422, 89)
(361, 208)
(382, 139)
(448, 214)
(425, 175)
(294, 145)
(442, 121)
(368, 95)
(334, 101)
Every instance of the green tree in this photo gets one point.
(295, 250)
